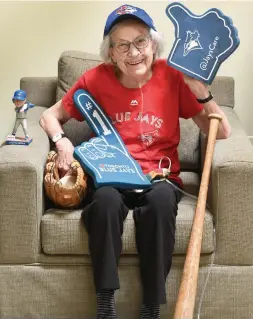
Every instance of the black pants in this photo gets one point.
(154, 213)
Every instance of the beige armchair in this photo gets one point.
(45, 264)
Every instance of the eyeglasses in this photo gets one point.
(140, 42)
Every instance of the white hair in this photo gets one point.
(156, 37)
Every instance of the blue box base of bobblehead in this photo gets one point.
(202, 42)
(18, 140)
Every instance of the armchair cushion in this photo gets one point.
(71, 65)
(231, 195)
(40, 90)
(76, 131)
(21, 194)
(64, 234)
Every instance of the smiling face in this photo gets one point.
(132, 50)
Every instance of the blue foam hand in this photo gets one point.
(105, 157)
(202, 42)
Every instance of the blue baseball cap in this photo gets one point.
(127, 11)
(19, 95)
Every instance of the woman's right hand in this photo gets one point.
(65, 150)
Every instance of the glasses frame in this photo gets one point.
(129, 43)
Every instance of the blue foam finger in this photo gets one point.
(202, 42)
(105, 157)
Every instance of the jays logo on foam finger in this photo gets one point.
(202, 42)
(105, 157)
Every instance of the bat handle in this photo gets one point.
(215, 116)
(214, 119)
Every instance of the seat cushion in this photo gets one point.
(63, 231)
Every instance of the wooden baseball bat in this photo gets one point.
(187, 291)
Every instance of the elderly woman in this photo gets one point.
(145, 99)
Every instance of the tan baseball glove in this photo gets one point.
(68, 191)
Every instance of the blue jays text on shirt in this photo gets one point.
(145, 118)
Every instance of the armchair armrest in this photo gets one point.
(21, 197)
(231, 194)
(40, 90)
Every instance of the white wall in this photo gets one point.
(34, 34)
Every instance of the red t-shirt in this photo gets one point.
(147, 119)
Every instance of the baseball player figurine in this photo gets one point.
(21, 108)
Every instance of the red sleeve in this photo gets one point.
(68, 101)
(188, 104)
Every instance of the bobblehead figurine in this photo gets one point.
(21, 108)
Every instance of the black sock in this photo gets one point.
(106, 304)
(150, 311)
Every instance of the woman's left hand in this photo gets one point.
(198, 88)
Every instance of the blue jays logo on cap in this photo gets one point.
(202, 42)
(127, 11)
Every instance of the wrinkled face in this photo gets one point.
(132, 48)
(18, 103)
